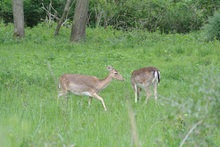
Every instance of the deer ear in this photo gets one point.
(109, 68)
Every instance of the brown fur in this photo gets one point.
(143, 78)
(87, 85)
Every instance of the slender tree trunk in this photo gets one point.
(18, 14)
(65, 13)
(78, 31)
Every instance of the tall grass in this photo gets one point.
(31, 115)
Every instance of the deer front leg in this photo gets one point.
(101, 99)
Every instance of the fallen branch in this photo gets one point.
(190, 131)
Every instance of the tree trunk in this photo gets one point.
(78, 31)
(65, 12)
(18, 14)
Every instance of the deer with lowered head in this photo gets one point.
(142, 79)
(87, 85)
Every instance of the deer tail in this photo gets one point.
(157, 75)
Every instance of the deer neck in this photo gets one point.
(104, 82)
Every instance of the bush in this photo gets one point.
(212, 28)
(152, 15)
(169, 17)
(199, 111)
(6, 11)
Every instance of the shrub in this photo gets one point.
(212, 28)
(197, 116)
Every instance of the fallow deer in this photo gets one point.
(142, 79)
(87, 85)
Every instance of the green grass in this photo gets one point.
(31, 115)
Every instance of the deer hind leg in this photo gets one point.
(90, 100)
(155, 91)
(147, 93)
(62, 93)
(101, 99)
(136, 93)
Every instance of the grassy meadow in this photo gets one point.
(188, 95)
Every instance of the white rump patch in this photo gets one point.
(155, 74)
(155, 79)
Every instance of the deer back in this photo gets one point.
(146, 75)
(78, 83)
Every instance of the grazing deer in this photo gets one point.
(87, 85)
(142, 79)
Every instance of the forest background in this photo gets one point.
(167, 16)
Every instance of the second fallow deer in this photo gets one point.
(142, 79)
(87, 85)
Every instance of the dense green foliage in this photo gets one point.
(173, 16)
(212, 28)
(31, 115)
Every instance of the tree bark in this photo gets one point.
(18, 14)
(65, 13)
(78, 31)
